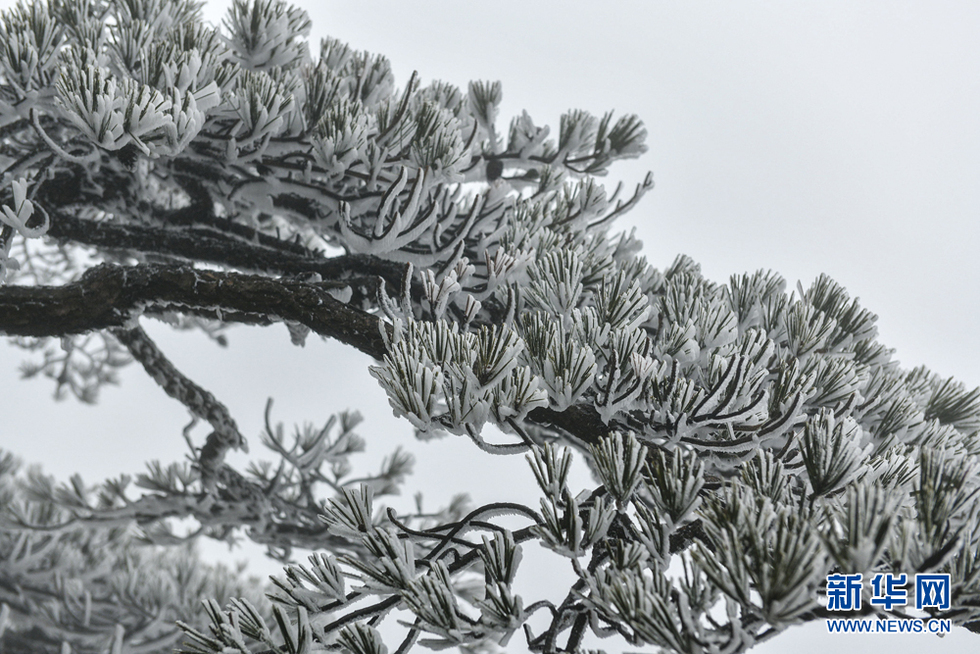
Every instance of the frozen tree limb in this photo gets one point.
(208, 243)
(112, 296)
(199, 401)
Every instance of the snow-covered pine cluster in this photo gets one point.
(745, 441)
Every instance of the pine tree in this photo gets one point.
(745, 442)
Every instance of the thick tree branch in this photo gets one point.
(208, 245)
(582, 422)
(112, 296)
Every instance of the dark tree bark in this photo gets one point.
(113, 297)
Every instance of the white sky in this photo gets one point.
(836, 137)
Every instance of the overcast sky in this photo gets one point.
(807, 138)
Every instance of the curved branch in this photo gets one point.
(113, 296)
(198, 400)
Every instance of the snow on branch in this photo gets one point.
(756, 440)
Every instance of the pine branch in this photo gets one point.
(112, 296)
(198, 400)
(209, 245)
